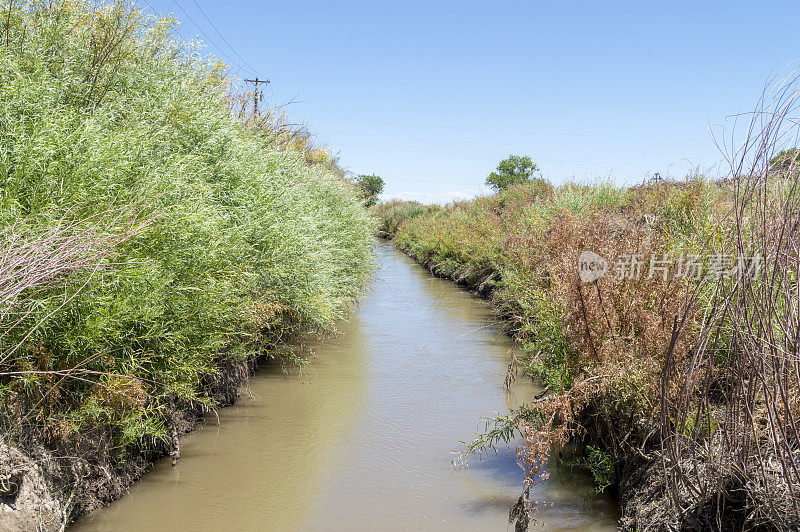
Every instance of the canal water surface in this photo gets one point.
(363, 438)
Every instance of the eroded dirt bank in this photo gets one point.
(364, 436)
(639, 482)
(47, 487)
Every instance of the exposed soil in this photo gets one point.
(639, 478)
(46, 488)
(640, 486)
(43, 488)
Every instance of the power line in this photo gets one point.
(274, 100)
(565, 163)
(233, 63)
(209, 39)
(512, 131)
(223, 37)
(484, 143)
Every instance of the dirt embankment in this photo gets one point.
(47, 487)
(639, 482)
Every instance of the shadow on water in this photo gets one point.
(497, 466)
(365, 438)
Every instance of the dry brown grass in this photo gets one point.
(646, 364)
(743, 379)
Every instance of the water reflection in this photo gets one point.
(365, 438)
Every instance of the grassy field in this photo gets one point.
(153, 232)
(664, 367)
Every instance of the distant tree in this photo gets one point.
(785, 159)
(369, 187)
(511, 171)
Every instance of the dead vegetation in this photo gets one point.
(682, 367)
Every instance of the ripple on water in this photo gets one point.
(365, 437)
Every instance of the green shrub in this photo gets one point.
(392, 214)
(599, 463)
(369, 187)
(102, 111)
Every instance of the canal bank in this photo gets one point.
(365, 436)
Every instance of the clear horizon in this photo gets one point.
(432, 97)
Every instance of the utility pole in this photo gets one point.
(256, 92)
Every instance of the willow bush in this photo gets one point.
(111, 125)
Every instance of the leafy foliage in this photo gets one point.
(593, 346)
(599, 463)
(393, 213)
(512, 171)
(246, 241)
(369, 186)
(785, 159)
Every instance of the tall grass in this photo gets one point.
(391, 214)
(602, 348)
(246, 241)
(742, 383)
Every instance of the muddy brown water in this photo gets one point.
(363, 439)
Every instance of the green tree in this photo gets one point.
(785, 159)
(369, 187)
(511, 171)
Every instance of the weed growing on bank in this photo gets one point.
(221, 236)
(598, 463)
(685, 400)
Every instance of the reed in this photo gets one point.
(148, 234)
(686, 385)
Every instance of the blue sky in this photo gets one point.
(431, 95)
